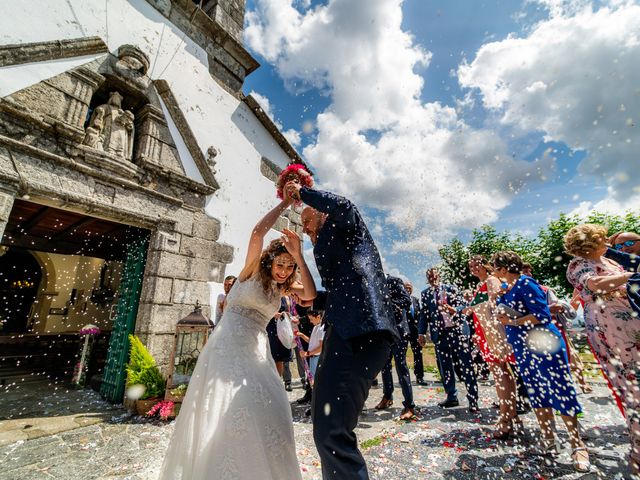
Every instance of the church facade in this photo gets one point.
(132, 169)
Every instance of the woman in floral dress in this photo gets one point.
(613, 333)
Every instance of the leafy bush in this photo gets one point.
(142, 370)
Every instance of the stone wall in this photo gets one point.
(42, 159)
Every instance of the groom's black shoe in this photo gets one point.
(287, 387)
(306, 398)
(449, 403)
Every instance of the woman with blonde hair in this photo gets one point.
(613, 332)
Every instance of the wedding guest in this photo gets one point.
(413, 319)
(228, 283)
(315, 341)
(281, 354)
(359, 326)
(612, 330)
(491, 338)
(401, 302)
(625, 250)
(450, 334)
(541, 355)
(304, 326)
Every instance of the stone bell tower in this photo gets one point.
(216, 26)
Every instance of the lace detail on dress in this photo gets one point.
(235, 409)
(252, 313)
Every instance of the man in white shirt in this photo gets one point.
(228, 283)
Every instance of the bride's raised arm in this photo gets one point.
(256, 241)
(306, 288)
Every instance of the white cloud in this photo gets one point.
(377, 143)
(292, 135)
(574, 78)
(608, 205)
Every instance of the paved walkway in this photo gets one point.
(448, 444)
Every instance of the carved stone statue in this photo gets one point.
(111, 128)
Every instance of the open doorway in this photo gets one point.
(61, 272)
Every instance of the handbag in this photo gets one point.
(285, 330)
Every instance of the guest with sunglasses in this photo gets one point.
(625, 250)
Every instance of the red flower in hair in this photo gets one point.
(296, 173)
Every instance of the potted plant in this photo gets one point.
(142, 371)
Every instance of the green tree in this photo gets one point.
(455, 259)
(545, 251)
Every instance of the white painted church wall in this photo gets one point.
(216, 118)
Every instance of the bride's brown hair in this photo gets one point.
(269, 254)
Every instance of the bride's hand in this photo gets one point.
(292, 243)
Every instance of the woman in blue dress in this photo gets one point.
(541, 354)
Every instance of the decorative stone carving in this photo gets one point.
(212, 153)
(132, 66)
(111, 128)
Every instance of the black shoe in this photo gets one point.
(421, 381)
(306, 398)
(307, 412)
(473, 409)
(374, 383)
(449, 403)
(287, 387)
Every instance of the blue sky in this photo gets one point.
(496, 109)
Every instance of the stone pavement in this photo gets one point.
(448, 444)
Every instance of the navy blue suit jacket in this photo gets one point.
(414, 319)
(430, 316)
(349, 264)
(629, 261)
(401, 302)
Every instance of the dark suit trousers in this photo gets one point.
(416, 349)
(344, 376)
(453, 350)
(399, 354)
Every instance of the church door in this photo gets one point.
(124, 322)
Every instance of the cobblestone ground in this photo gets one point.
(439, 444)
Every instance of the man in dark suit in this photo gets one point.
(401, 303)
(413, 319)
(360, 327)
(450, 333)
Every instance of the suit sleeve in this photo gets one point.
(423, 319)
(340, 209)
(399, 295)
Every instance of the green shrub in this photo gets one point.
(142, 370)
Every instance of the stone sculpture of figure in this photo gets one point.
(111, 128)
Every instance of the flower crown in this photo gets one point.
(296, 173)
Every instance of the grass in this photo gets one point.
(372, 442)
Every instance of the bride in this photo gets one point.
(235, 422)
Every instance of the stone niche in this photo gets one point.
(95, 139)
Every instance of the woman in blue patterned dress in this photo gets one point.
(541, 354)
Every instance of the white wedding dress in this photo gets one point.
(235, 422)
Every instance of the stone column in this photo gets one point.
(6, 204)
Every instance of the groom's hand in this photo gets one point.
(292, 188)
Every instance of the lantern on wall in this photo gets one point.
(192, 333)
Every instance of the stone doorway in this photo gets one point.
(64, 271)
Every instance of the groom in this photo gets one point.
(360, 326)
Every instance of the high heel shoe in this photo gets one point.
(581, 466)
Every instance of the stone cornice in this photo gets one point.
(267, 123)
(208, 28)
(17, 54)
(36, 152)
